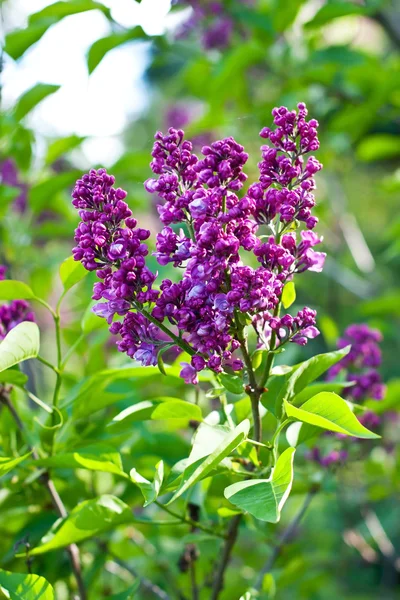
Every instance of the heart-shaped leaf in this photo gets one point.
(264, 498)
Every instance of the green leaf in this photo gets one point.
(229, 443)
(128, 594)
(379, 146)
(288, 294)
(18, 42)
(177, 409)
(329, 411)
(14, 376)
(233, 383)
(20, 343)
(15, 290)
(60, 147)
(160, 408)
(90, 322)
(284, 18)
(20, 586)
(32, 97)
(71, 272)
(89, 395)
(316, 388)
(87, 519)
(41, 193)
(332, 11)
(150, 490)
(309, 371)
(98, 457)
(264, 498)
(391, 400)
(59, 10)
(7, 464)
(99, 49)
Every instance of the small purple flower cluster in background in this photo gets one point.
(220, 225)
(212, 19)
(361, 362)
(360, 368)
(9, 176)
(14, 313)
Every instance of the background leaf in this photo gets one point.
(71, 272)
(32, 97)
(89, 518)
(21, 586)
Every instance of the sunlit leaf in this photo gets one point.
(149, 489)
(15, 290)
(21, 343)
(8, 464)
(264, 498)
(230, 442)
(97, 457)
(288, 294)
(23, 586)
(329, 411)
(99, 49)
(32, 97)
(71, 272)
(60, 147)
(87, 519)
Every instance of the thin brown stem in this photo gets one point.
(193, 581)
(285, 537)
(233, 531)
(58, 504)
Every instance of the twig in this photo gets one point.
(226, 555)
(193, 580)
(145, 583)
(286, 535)
(188, 520)
(58, 504)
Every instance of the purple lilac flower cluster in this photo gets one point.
(211, 19)
(14, 313)
(9, 175)
(204, 195)
(360, 367)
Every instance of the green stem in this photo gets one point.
(71, 351)
(47, 363)
(275, 438)
(57, 387)
(255, 391)
(178, 341)
(188, 521)
(45, 304)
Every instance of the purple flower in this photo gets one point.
(189, 373)
(14, 313)
(9, 175)
(217, 290)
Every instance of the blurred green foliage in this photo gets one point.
(341, 57)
